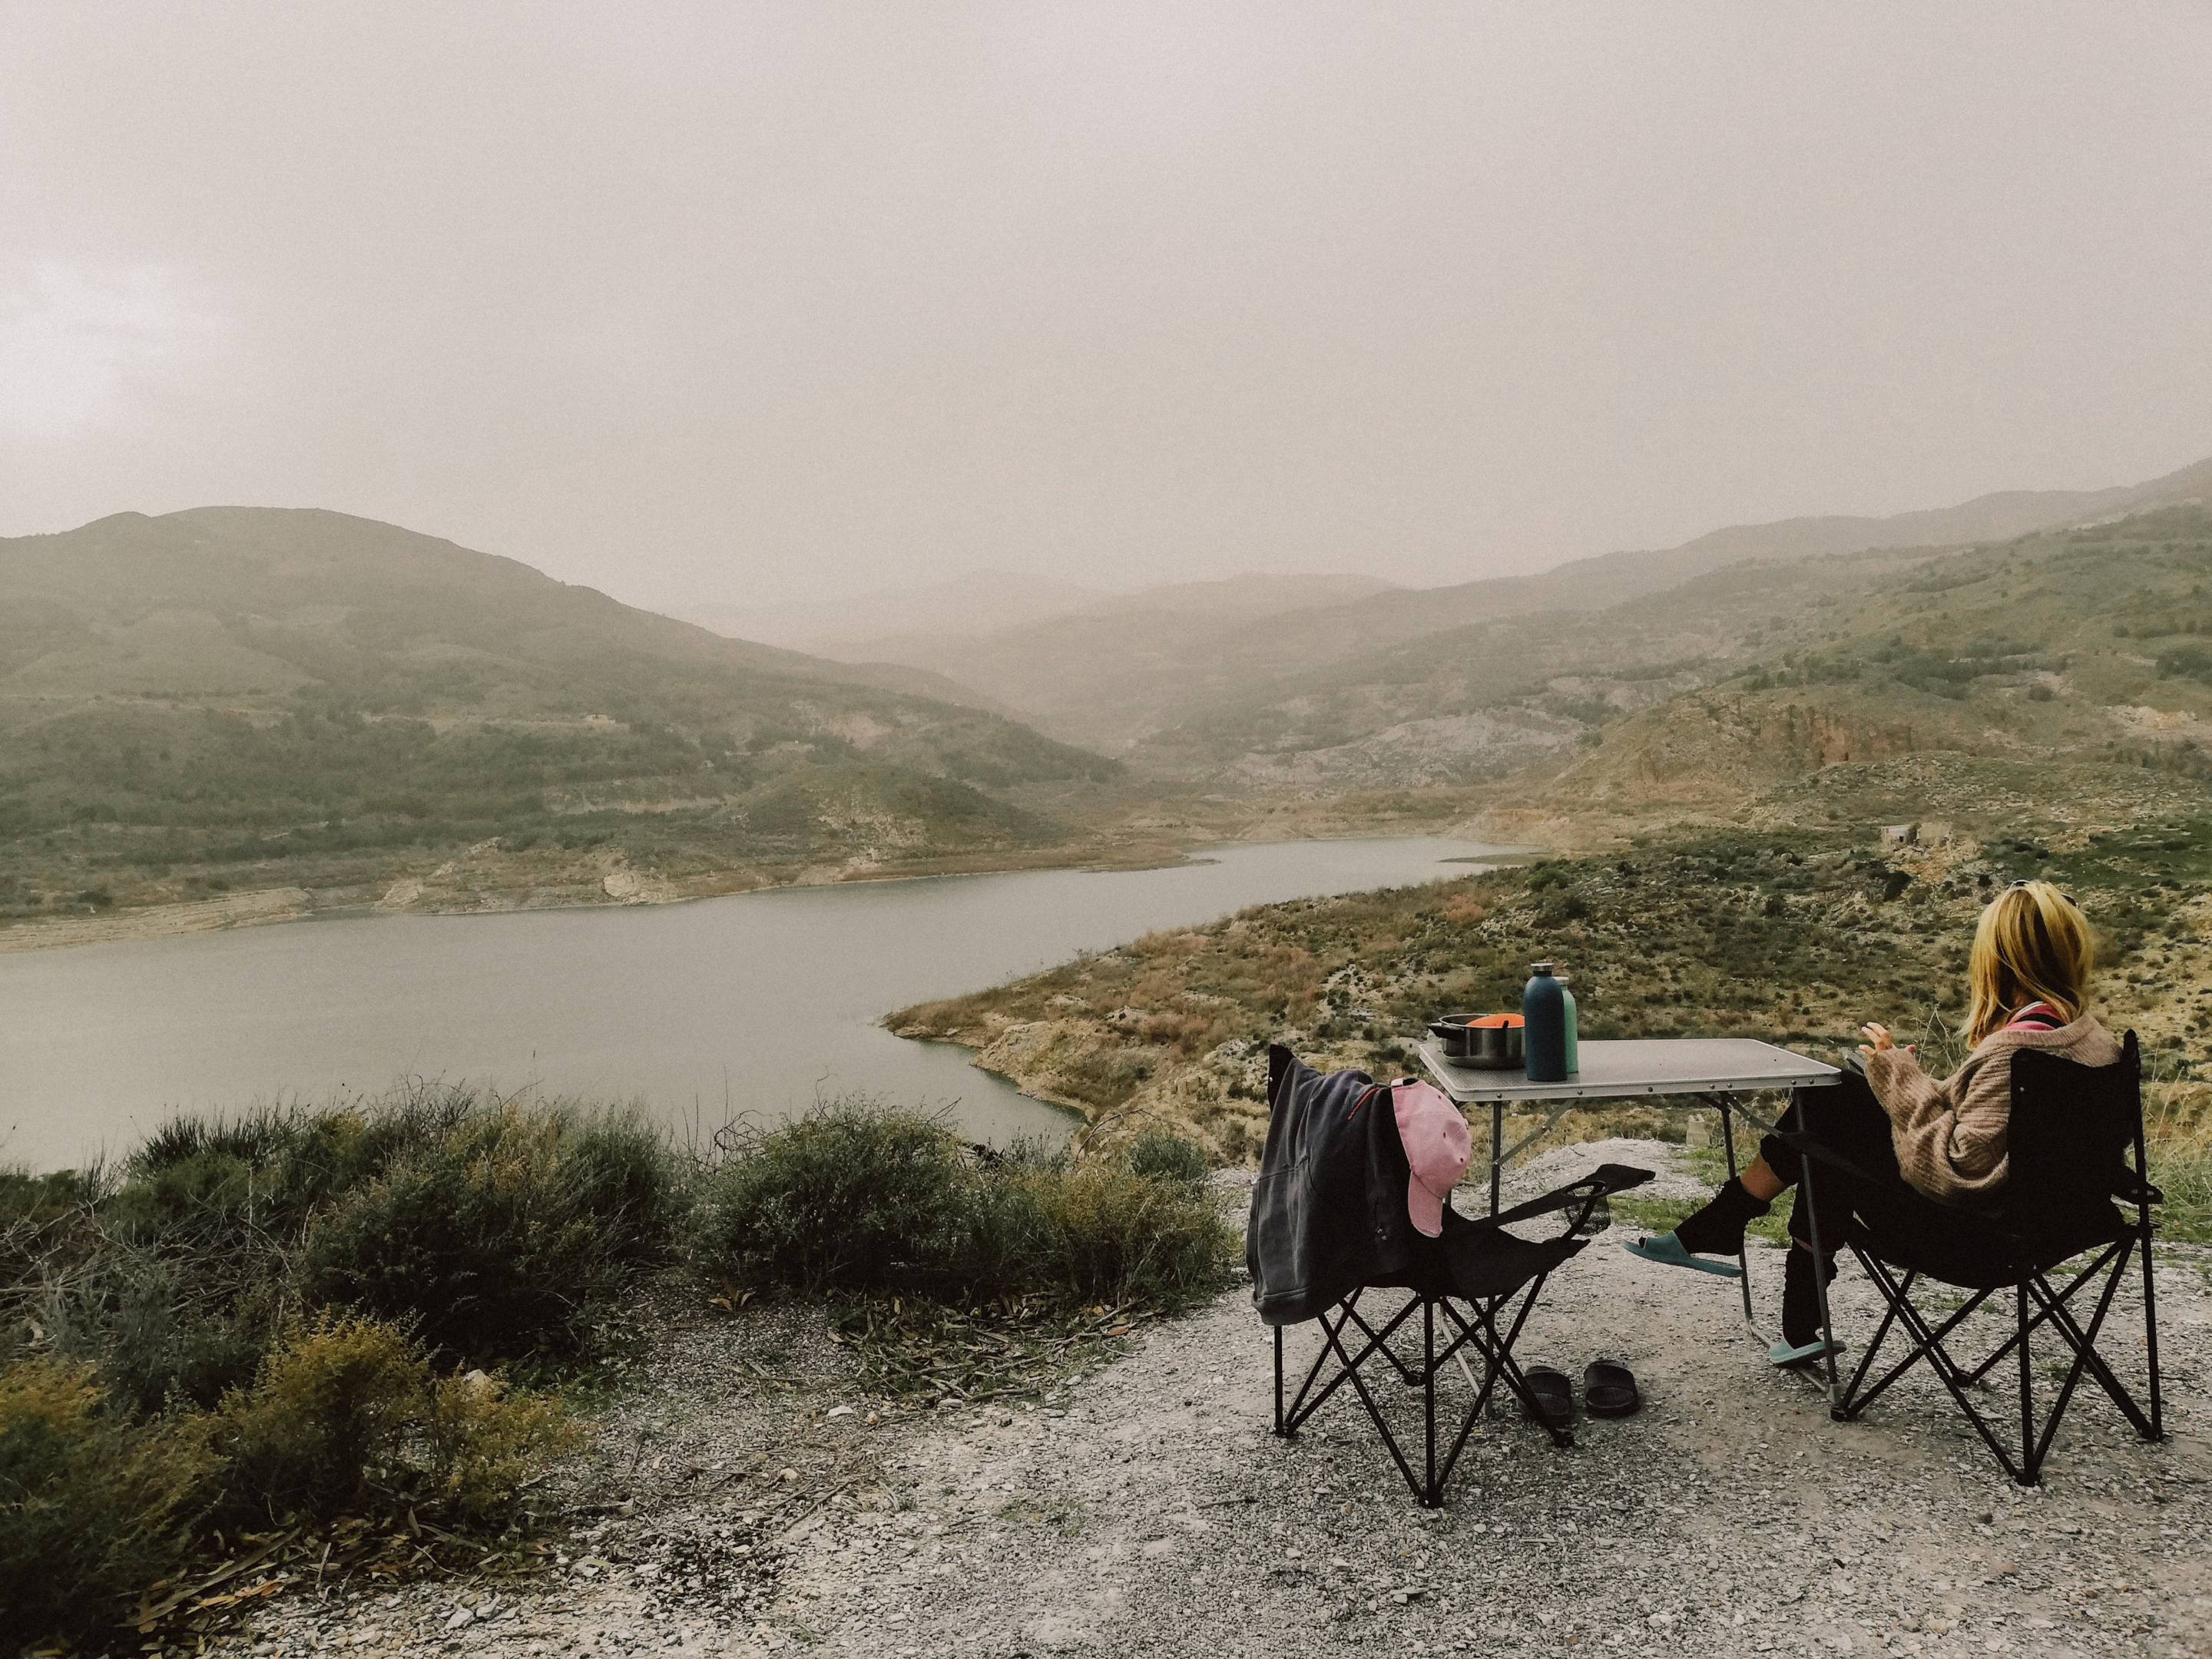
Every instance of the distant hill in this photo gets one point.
(1113, 666)
(1115, 684)
(979, 603)
(1734, 692)
(236, 696)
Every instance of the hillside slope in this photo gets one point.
(2085, 646)
(1690, 705)
(1792, 937)
(1116, 664)
(232, 697)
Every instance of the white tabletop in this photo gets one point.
(1649, 1065)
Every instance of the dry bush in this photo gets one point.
(348, 1417)
(2178, 1128)
(93, 1508)
(1105, 1231)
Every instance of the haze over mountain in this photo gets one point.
(921, 622)
(1117, 672)
(982, 603)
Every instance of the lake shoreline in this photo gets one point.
(260, 906)
(617, 890)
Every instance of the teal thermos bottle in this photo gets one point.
(1544, 1019)
(1574, 1031)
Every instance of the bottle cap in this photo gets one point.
(1542, 968)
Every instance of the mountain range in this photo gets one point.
(1111, 671)
(234, 698)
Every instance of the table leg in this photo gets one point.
(1742, 1252)
(1497, 1146)
(1813, 1220)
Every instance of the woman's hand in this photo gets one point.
(1878, 1037)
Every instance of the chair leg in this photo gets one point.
(1430, 1497)
(2036, 1302)
(1281, 1433)
(2030, 1462)
(1928, 1340)
(2079, 1280)
(1301, 1407)
(2151, 1328)
(2084, 1342)
(1479, 1329)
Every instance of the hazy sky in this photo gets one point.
(750, 302)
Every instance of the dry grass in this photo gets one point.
(2178, 1125)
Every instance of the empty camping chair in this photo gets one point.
(2074, 1144)
(1353, 1198)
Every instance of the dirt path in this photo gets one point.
(1145, 1509)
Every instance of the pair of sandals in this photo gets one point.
(1667, 1251)
(1608, 1390)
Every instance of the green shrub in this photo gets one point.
(1171, 1157)
(1102, 1231)
(93, 1508)
(856, 1197)
(502, 1233)
(508, 1237)
(851, 1196)
(2178, 1124)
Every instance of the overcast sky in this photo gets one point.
(741, 303)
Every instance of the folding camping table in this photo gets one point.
(1688, 1071)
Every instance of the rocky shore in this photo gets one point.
(746, 1499)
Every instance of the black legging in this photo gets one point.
(1871, 1201)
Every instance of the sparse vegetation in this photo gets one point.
(856, 1197)
(283, 1320)
(311, 1322)
(1792, 936)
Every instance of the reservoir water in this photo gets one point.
(756, 1003)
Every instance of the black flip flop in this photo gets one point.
(1610, 1389)
(1554, 1394)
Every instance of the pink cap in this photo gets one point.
(1435, 1140)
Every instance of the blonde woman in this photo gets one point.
(2026, 987)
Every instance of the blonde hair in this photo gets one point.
(2033, 945)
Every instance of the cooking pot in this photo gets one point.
(1493, 1043)
(1488, 1043)
(1450, 1033)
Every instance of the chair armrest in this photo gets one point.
(2128, 1190)
(1602, 1182)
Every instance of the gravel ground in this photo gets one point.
(746, 1500)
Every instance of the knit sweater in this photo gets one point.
(1950, 1134)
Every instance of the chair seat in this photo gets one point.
(1488, 1261)
(1975, 1251)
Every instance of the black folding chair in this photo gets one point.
(1496, 1276)
(2075, 1144)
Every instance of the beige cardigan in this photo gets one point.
(1950, 1136)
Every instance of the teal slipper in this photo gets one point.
(1783, 1356)
(1667, 1250)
